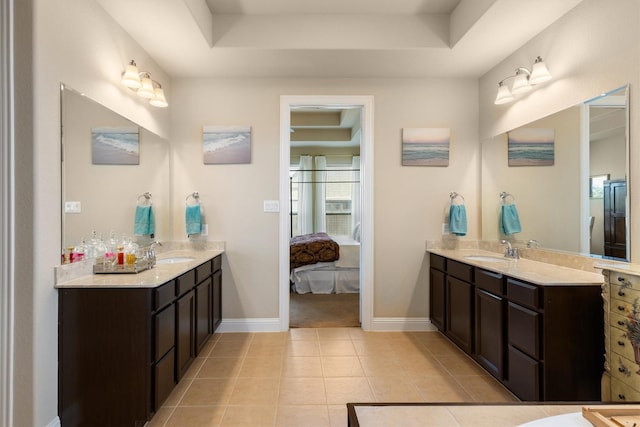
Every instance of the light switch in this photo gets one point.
(72, 207)
(271, 206)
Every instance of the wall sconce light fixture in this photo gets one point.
(523, 81)
(142, 84)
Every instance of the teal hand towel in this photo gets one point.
(193, 219)
(144, 222)
(509, 220)
(458, 220)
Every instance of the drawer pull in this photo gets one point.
(621, 307)
(621, 343)
(623, 369)
(620, 293)
(621, 396)
(620, 279)
(620, 322)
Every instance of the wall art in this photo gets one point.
(115, 145)
(226, 144)
(425, 146)
(531, 147)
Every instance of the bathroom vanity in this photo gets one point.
(126, 340)
(536, 327)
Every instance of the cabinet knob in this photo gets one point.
(621, 343)
(622, 369)
(621, 397)
(621, 307)
(620, 322)
(620, 293)
(620, 279)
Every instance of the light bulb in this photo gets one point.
(504, 95)
(130, 77)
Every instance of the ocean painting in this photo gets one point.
(226, 145)
(425, 146)
(531, 147)
(115, 145)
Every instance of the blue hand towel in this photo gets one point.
(193, 219)
(509, 220)
(458, 220)
(144, 222)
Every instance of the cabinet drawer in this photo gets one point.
(203, 271)
(620, 346)
(630, 281)
(623, 369)
(164, 379)
(460, 270)
(438, 262)
(524, 375)
(165, 333)
(524, 293)
(490, 281)
(164, 295)
(622, 392)
(524, 329)
(185, 283)
(217, 263)
(623, 292)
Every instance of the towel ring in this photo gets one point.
(505, 195)
(453, 195)
(195, 196)
(146, 198)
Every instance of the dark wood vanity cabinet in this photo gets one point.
(437, 291)
(122, 350)
(542, 342)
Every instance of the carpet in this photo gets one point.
(324, 311)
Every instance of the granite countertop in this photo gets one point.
(154, 277)
(540, 273)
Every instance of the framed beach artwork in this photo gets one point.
(531, 147)
(425, 146)
(226, 144)
(115, 145)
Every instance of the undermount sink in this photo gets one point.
(487, 258)
(174, 260)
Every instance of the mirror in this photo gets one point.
(577, 204)
(100, 190)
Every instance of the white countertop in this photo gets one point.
(154, 277)
(537, 272)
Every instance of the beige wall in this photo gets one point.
(591, 50)
(409, 201)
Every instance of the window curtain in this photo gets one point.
(305, 195)
(320, 224)
(356, 210)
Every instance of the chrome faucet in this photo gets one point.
(510, 252)
(533, 244)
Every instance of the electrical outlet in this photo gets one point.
(445, 228)
(72, 207)
(272, 206)
(205, 230)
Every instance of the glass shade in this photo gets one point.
(520, 83)
(159, 100)
(504, 95)
(130, 77)
(539, 73)
(146, 90)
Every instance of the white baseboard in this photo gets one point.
(249, 325)
(395, 324)
(54, 422)
(387, 324)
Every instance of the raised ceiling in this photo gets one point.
(332, 38)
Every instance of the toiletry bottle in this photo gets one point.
(120, 255)
(79, 252)
(130, 252)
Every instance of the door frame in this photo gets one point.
(366, 189)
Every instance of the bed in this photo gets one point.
(324, 272)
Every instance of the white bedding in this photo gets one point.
(341, 276)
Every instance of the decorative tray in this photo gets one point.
(139, 266)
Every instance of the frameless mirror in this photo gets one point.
(108, 164)
(579, 203)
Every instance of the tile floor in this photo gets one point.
(305, 377)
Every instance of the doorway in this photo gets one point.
(364, 104)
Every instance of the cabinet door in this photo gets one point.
(185, 329)
(490, 332)
(524, 375)
(460, 313)
(165, 331)
(216, 299)
(524, 330)
(437, 298)
(203, 313)
(164, 379)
